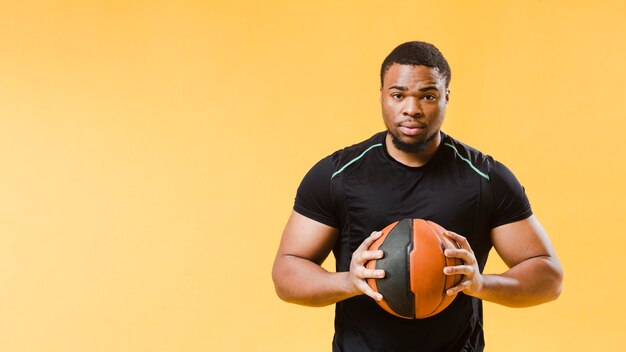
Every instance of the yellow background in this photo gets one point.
(150, 152)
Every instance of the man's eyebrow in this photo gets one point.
(404, 89)
(400, 88)
(427, 88)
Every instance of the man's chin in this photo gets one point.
(413, 147)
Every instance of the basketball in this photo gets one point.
(414, 286)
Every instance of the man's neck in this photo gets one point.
(418, 159)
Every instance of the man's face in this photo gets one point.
(413, 100)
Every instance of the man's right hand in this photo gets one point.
(359, 273)
(298, 275)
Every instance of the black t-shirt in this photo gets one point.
(361, 189)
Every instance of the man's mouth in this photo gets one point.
(411, 129)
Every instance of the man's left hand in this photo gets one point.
(472, 278)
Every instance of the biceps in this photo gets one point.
(307, 238)
(521, 240)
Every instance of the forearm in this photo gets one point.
(298, 280)
(534, 281)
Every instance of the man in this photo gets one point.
(412, 170)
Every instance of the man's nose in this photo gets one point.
(412, 107)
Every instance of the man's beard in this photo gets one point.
(413, 148)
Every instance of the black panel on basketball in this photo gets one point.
(399, 241)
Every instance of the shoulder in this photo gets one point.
(318, 191)
(505, 193)
(339, 160)
(508, 196)
(346, 157)
(483, 164)
(467, 156)
(356, 150)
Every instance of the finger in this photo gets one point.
(365, 288)
(371, 255)
(371, 273)
(462, 254)
(361, 258)
(460, 240)
(370, 239)
(466, 270)
(458, 288)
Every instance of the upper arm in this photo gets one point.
(306, 238)
(522, 240)
(311, 230)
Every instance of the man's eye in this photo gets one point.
(430, 97)
(396, 95)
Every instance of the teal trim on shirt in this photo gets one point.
(468, 161)
(355, 160)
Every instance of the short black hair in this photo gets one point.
(417, 53)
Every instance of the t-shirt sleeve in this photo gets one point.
(314, 197)
(510, 202)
